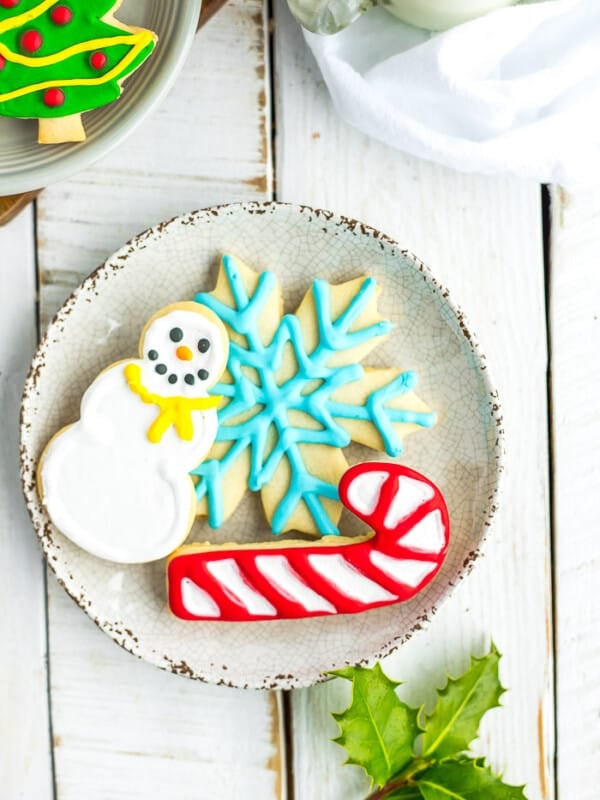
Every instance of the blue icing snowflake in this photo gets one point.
(266, 433)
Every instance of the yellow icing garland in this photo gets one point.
(26, 16)
(138, 41)
(142, 39)
(176, 411)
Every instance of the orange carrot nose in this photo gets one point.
(184, 353)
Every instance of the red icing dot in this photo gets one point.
(98, 60)
(2, 62)
(31, 41)
(61, 15)
(54, 98)
(9, 3)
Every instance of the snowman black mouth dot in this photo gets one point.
(203, 374)
(161, 368)
(172, 378)
(152, 355)
(190, 380)
(203, 345)
(176, 334)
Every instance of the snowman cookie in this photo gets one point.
(116, 482)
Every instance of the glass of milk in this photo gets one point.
(330, 16)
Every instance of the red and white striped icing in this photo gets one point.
(336, 575)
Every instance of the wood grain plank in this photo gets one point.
(122, 728)
(575, 337)
(25, 763)
(11, 205)
(482, 236)
(206, 144)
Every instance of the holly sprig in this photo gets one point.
(410, 754)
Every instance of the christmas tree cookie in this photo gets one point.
(58, 60)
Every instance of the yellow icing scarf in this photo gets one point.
(176, 411)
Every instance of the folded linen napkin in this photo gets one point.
(517, 90)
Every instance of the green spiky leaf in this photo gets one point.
(454, 722)
(378, 730)
(405, 793)
(465, 779)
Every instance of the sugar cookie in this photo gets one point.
(58, 60)
(337, 575)
(116, 482)
(296, 395)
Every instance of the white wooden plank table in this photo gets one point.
(81, 718)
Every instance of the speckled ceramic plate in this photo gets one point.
(26, 165)
(101, 323)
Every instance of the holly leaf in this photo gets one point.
(377, 729)
(405, 793)
(465, 779)
(454, 722)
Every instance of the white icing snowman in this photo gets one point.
(116, 482)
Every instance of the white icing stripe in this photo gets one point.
(428, 536)
(410, 496)
(288, 583)
(196, 601)
(407, 571)
(347, 579)
(364, 491)
(228, 573)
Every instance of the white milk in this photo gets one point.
(330, 16)
(440, 14)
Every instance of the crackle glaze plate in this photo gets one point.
(101, 323)
(26, 165)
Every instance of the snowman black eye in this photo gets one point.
(203, 374)
(203, 345)
(190, 380)
(176, 334)
(152, 355)
(161, 368)
(172, 378)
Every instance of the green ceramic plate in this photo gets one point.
(26, 165)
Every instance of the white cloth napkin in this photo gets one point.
(515, 91)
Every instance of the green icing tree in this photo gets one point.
(58, 60)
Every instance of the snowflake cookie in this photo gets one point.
(296, 394)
